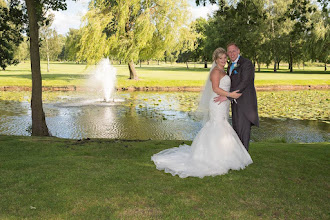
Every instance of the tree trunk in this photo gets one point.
(47, 55)
(289, 68)
(291, 59)
(325, 66)
(47, 63)
(132, 71)
(205, 64)
(291, 64)
(158, 62)
(39, 127)
(275, 67)
(148, 62)
(187, 65)
(278, 65)
(258, 67)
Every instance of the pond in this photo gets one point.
(160, 115)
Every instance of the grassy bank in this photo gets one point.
(44, 178)
(164, 75)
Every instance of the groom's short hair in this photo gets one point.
(232, 44)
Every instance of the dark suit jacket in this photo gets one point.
(242, 79)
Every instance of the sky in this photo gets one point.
(71, 18)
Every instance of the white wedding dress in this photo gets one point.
(215, 150)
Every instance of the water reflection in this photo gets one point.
(141, 116)
(291, 130)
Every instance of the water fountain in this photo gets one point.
(100, 84)
(104, 79)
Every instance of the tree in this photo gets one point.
(250, 27)
(294, 30)
(318, 40)
(298, 12)
(188, 45)
(132, 30)
(51, 45)
(322, 46)
(275, 46)
(36, 10)
(71, 46)
(11, 29)
(243, 24)
(22, 51)
(171, 23)
(200, 26)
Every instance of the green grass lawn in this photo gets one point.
(71, 74)
(51, 178)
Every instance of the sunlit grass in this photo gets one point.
(163, 75)
(51, 178)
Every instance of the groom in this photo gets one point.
(244, 109)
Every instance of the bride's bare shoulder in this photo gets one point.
(217, 74)
(217, 71)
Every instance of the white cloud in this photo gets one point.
(202, 11)
(71, 18)
(63, 22)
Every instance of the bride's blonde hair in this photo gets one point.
(218, 52)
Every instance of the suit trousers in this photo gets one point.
(241, 125)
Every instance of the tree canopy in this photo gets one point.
(271, 30)
(11, 28)
(132, 30)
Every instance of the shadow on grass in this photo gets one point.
(50, 76)
(15, 71)
(68, 63)
(172, 69)
(285, 71)
(199, 69)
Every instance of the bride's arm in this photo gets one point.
(215, 79)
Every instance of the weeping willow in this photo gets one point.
(132, 30)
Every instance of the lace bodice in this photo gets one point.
(224, 84)
(220, 112)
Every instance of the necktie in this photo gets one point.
(231, 67)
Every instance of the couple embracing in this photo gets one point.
(218, 147)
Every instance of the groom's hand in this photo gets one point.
(220, 99)
(235, 94)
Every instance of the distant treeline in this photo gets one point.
(267, 32)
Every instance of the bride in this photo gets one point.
(216, 149)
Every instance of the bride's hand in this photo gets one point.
(220, 99)
(235, 94)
